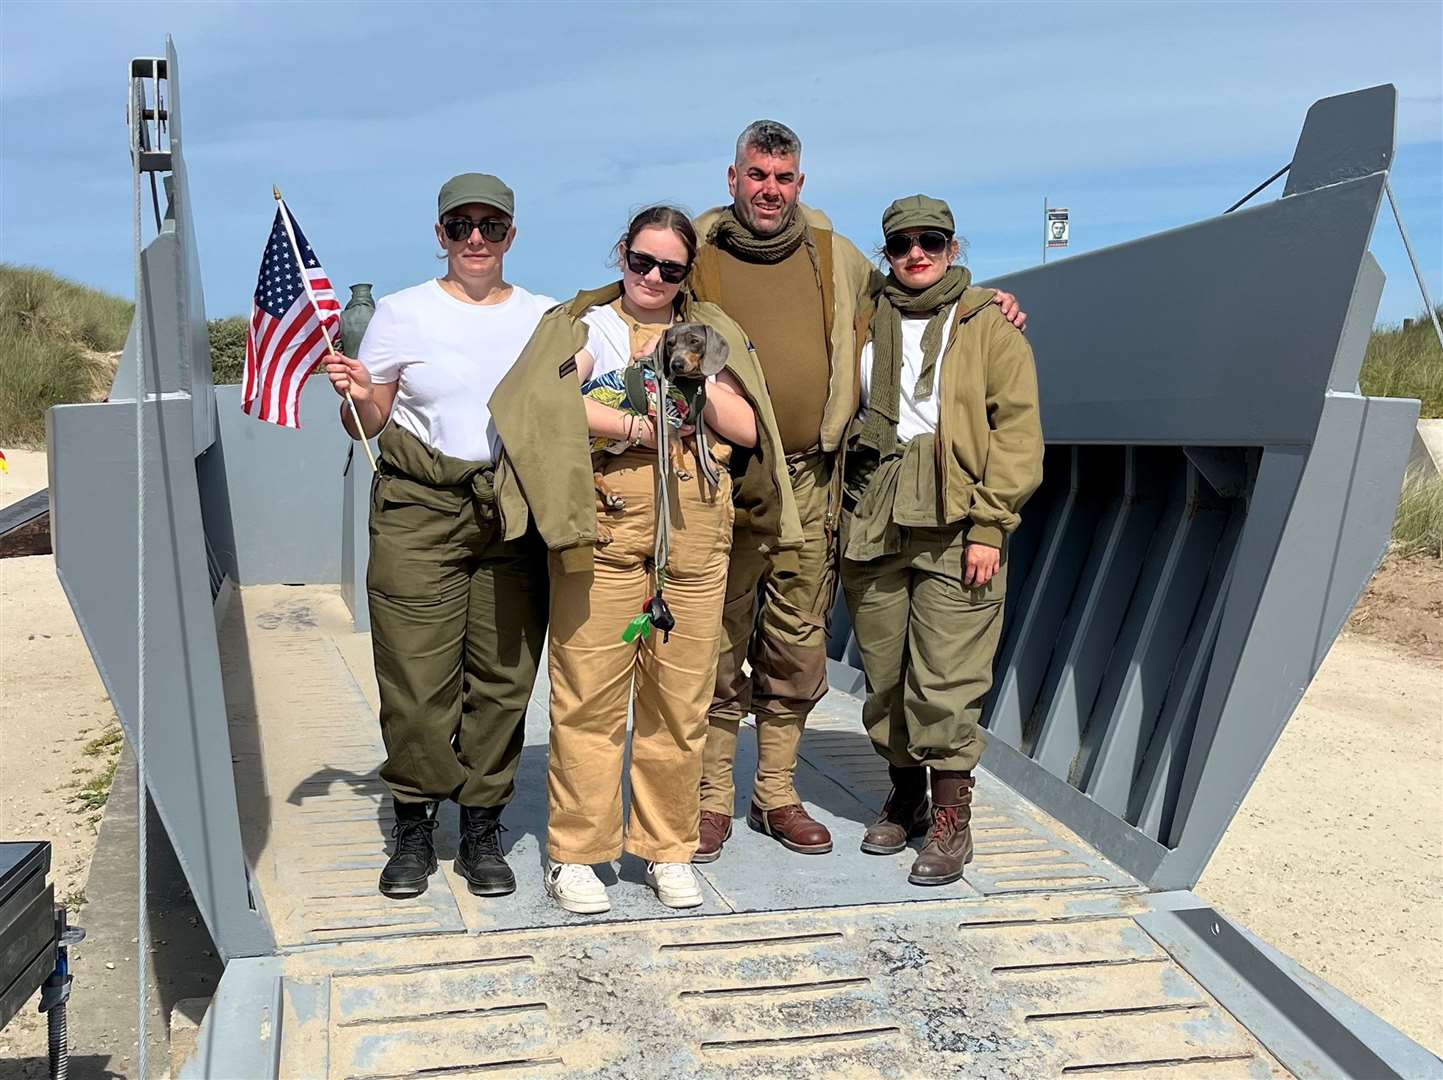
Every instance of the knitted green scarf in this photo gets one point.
(732, 235)
(879, 430)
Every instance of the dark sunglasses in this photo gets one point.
(492, 229)
(673, 273)
(931, 241)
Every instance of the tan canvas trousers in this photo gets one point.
(773, 659)
(927, 643)
(594, 675)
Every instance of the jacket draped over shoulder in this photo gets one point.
(544, 473)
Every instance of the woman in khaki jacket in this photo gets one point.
(596, 674)
(946, 449)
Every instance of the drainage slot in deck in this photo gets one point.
(820, 986)
(742, 943)
(449, 1014)
(786, 1041)
(510, 1064)
(1108, 1014)
(1077, 965)
(1156, 1063)
(443, 965)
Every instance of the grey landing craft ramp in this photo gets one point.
(796, 966)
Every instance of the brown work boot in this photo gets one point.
(949, 844)
(904, 814)
(716, 830)
(793, 826)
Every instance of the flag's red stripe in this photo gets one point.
(273, 346)
(302, 326)
(252, 360)
(304, 357)
(293, 326)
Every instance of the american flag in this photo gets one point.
(285, 338)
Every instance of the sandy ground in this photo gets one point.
(27, 475)
(52, 707)
(1336, 856)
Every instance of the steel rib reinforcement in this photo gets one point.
(1035, 985)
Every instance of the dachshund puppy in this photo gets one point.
(687, 354)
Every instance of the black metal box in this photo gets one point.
(27, 923)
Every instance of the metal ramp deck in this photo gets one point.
(795, 966)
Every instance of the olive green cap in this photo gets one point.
(917, 212)
(475, 187)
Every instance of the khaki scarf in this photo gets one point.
(879, 430)
(732, 235)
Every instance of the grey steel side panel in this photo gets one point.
(1344, 137)
(1307, 561)
(242, 1030)
(1313, 1030)
(1195, 355)
(93, 518)
(273, 494)
(355, 537)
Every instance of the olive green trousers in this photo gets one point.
(458, 621)
(927, 643)
(773, 655)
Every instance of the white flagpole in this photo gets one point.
(306, 284)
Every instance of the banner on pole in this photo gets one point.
(1057, 227)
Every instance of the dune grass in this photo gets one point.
(1418, 526)
(1406, 363)
(53, 333)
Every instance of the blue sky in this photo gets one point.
(1138, 117)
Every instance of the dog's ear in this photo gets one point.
(717, 352)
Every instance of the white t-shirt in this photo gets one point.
(913, 417)
(448, 355)
(608, 340)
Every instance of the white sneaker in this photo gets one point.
(577, 888)
(675, 884)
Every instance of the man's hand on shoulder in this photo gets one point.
(1010, 311)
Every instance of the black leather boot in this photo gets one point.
(478, 858)
(413, 858)
(904, 815)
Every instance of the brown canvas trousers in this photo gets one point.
(773, 656)
(594, 675)
(927, 643)
(458, 618)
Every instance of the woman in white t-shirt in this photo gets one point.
(458, 614)
(596, 672)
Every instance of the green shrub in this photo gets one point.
(228, 349)
(1418, 527)
(1406, 363)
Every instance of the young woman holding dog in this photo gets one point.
(546, 427)
(947, 448)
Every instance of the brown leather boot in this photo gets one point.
(904, 814)
(949, 844)
(793, 826)
(716, 830)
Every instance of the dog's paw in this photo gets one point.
(603, 535)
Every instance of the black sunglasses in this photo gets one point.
(639, 262)
(931, 241)
(492, 229)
